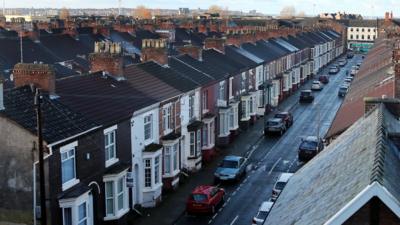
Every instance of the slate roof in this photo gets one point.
(241, 56)
(212, 70)
(10, 52)
(363, 23)
(169, 76)
(59, 121)
(127, 41)
(298, 42)
(148, 84)
(64, 46)
(101, 98)
(213, 57)
(260, 51)
(189, 71)
(361, 156)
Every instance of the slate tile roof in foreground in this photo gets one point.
(360, 157)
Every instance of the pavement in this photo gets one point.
(172, 207)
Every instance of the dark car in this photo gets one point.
(350, 55)
(343, 90)
(306, 96)
(275, 125)
(205, 199)
(286, 117)
(324, 79)
(310, 147)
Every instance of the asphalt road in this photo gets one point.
(271, 156)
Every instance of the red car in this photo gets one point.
(205, 199)
(324, 79)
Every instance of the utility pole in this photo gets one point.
(20, 42)
(38, 103)
(119, 8)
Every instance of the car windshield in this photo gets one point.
(272, 123)
(343, 89)
(199, 197)
(262, 215)
(308, 145)
(229, 164)
(280, 185)
(280, 115)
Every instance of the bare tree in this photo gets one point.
(288, 12)
(142, 12)
(64, 14)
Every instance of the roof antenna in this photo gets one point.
(20, 43)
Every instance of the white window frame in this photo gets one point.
(114, 179)
(167, 117)
(151, 157)
(230, 87)
(73, 204)
(173, 157)
(192, 106)
(204, 96)
(147, 167)
(221, 91)
(148, 121)
(65, 149)
(224, 123)
(108, 131)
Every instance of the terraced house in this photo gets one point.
(125, 120)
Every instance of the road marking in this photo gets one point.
(273, 167)
(228, 199)
(234, 220)
(215, 215)
(220, 209)
(234, 193)
(210, 221)
(224, 205)
(286, 161)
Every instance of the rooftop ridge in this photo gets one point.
(377, 173)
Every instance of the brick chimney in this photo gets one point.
(216, 43)
(40, 75)
(396, 62)
(193, 51)
(154, 49)
(1, 93)
(107, 57)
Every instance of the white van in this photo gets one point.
(280, 184)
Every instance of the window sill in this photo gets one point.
(155, 187)
(173, 174)
(69, 184)
(119, 215)
(111, 162)
(207, 147)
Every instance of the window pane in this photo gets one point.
(121, 201)
(67, 216)
(68, 169)
(110, 207)
(109, 189)
(82, 211)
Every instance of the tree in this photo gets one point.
(215, 9)
(288, 12)
(142, 12)
(301, 14)
(64, 14)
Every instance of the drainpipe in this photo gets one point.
(34, 192)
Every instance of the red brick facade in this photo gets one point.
(216, 43)
(154, 49)
(41, 75)
(193, 51)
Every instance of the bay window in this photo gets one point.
(224, 122)
(245, 107)
(116, 195)
(147, 173)
(68, 165)
(205, 135)
(152, 170)
(78, 210)
(171, 158)
(208, 133)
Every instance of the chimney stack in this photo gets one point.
(40, 75)
(107, 57)
(154, 49)
(216, 43)
(193, 51)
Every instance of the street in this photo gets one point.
(271, 156)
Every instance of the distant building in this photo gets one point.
(26, 18)
(361, 34)
(339, 16)
(183, 11)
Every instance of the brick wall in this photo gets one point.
(154, 49)
(111, 63)
(216, 43)
(41, 75)
(191, 50)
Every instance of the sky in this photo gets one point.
(310, 7)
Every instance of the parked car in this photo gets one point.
(279, 185)
(316, 86)
(231, 168)
(348, 80)
(334, 70)
(350, 55)
(287, 118)
(354, 70)
(205, 199)
(324, 79)
(275, 125)
(306, 96)
(343, 91)
(262, 213)
(310, 147)
(342, 62)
